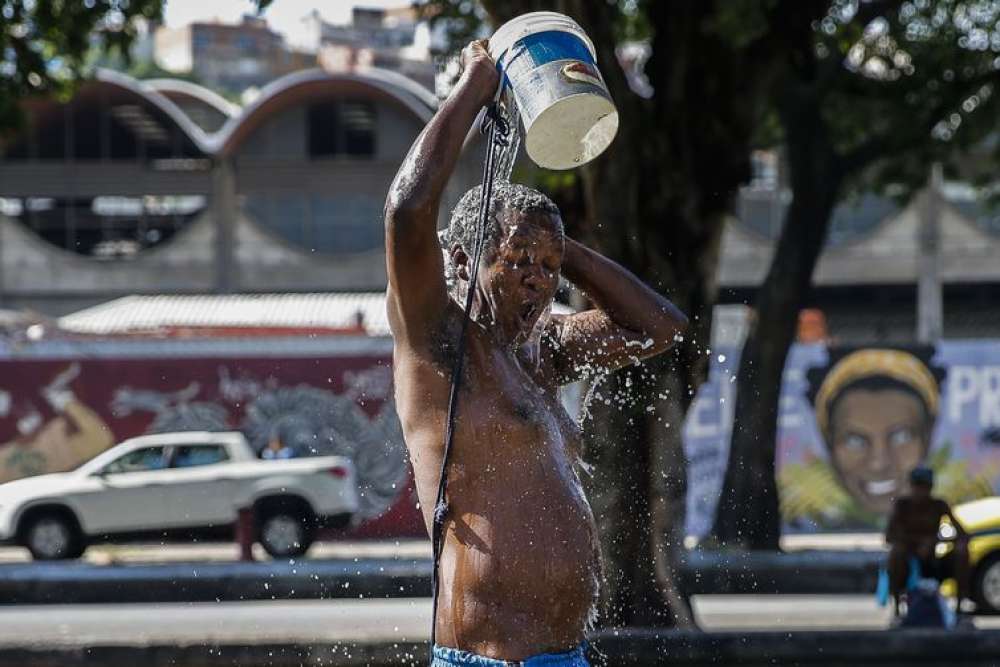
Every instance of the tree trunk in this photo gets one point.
(748, 513)
(634, 434)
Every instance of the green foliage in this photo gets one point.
(904, 84)
(462, 21)
(46, 45)
(742, 21)
(901, 83)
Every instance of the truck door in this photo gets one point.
(201, 495)
(128, 496)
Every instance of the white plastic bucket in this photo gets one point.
(550, 64)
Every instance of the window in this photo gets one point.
(188, 456)
(110, 126)
(139, 460)
(107, 226)
(322, 130)
(341, 128)
(358, 121)
(246, 44)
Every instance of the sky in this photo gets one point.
(283, 16)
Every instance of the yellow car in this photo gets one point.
(981, 520)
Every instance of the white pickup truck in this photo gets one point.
(173, 485)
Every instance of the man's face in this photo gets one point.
(520, 279)
(877, 438)
(921, 490)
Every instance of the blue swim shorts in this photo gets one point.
(452, 657)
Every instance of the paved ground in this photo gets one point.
(374, 620)
(407, 548)
(216, 552)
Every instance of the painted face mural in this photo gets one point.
(852, 422)
(54, 430)
(876, 411)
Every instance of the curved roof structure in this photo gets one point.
(174, 88)
(161, 101)
(304, 85)
(287, 91)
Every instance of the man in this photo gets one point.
(520, 561)
(913, 533)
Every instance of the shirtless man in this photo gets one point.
(520, 561)
(913, 533)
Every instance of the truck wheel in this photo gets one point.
(52, 537)
(285, 532)
(986, 588)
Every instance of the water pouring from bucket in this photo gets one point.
(549, 67)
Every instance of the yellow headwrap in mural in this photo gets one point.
(895, 364)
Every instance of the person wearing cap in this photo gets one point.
(912, 533)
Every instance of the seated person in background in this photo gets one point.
(277, 449)
(913, 532)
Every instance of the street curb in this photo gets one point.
(893, 648)
(702, 573)
(80, 583)
(805, 572)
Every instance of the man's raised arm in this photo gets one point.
(631, 321)
(418, 296)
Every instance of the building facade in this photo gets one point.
(122, 191)
(224, 56)
(866, 280)
(388, 39)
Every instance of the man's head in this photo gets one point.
(921, 481)
(522, 256)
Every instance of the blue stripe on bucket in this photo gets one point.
(545, 47)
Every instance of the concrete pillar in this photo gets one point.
(224, 218)
(930, 307)
(245, 532)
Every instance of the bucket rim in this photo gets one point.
(519, 27)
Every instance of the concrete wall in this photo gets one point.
(30, 266)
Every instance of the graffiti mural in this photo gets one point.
(56, 415)
(52, 430)
(852, 423)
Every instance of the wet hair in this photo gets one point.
(464, 217)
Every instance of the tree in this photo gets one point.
(656, 201)
(44, 45)
(871, 94)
